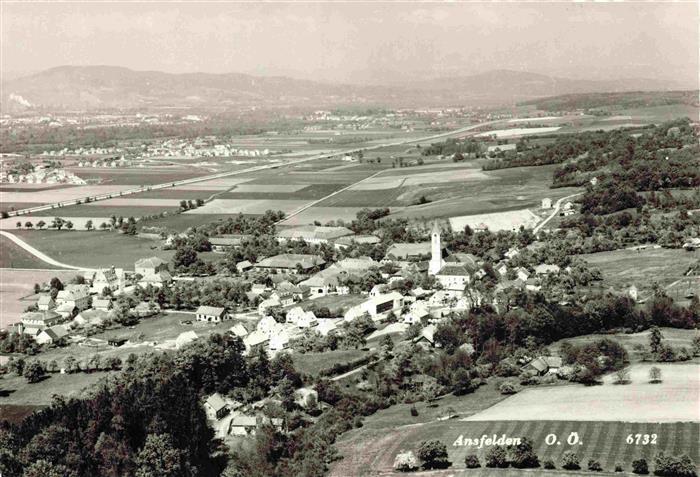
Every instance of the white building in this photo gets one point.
(436, 260)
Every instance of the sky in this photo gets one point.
(357, 42)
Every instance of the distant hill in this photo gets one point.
(625, 100)
(111, 87)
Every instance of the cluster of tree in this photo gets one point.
(190, 204)
(453, 146)
(186, 261)
(147, 420)
(592, 360)
(227, 293)
(17, 343)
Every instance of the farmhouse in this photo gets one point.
(406, 251)
(215, 407)
(109, 278)
(211, 314)
(544, 365)
(224, 243)
(91, 317)
(102, 304)
(145, 309)
(291, 263)
(71, 298)
(377, 307)
(313, 234)
(546, 203)
(303, 319)
(45, 303)
(243, 266)
(255, 340)
(324, 281)
(345, 242)
(51, 335)
(184, 338)
(544, 269)
(238, 330)
(154, 271)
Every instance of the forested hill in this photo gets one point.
(621, 100)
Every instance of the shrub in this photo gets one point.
(671, 466)
(497, 457)
(405, 461)
(414, 411)
(619, 468)
(472, 461)
(522, 455)
(570, 460)
(654, 375)
(640, 466)
(507, 387)
(622, 376)
(549, 464)
(433, 454)
(594, 465)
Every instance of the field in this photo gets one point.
(138, 176)
(623, 268)
(13, 256)
(669, 410)
(17, 290)
(313, 363)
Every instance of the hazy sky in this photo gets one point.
(358, 42)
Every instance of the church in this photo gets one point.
(455, 272)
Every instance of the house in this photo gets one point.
(224, 243)
(291, 263)
(91, 317)
(633, 293)
(544, 269)
(377, 307)
(45, 303)
(102, 304)
(51, 335)
(215, 407)
(258, 288)
(255, 340)
(153, 271)
(522, 273)
(117, 341)
(454, 278)
(357, 265)
(238, 330)
(406, 251)
(267, 325)
(265, 305)
(41, 319)
(109, 278)
(279, 340)
(325, 281)
(544, 365)
(243, 425)
(303, 319)
(416, 312)
(426, 337)
(546, 203)
(313, 234)
(184, 338)
(213, 314)
(73, 297)
(512, 252)
(326, 326)
(298, 292)
(345, 242)
(285, 298)
(243, 266)
(502, 269)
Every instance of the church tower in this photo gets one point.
(436, 261)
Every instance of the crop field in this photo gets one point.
(171, 193)
(517, 132)
(507, 220)
(8, 206)
(281, 191)
(326, 214)
(94, 249)
(623, 268)
(62, 194)
(17, 290)
(669, 410)
(137, 176)
(247, 206)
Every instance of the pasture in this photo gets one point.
(507, 220)
(623, 268)
(14, 256)
(94, 249)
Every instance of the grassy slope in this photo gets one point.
(13, 256)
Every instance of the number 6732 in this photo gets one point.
(641, 439)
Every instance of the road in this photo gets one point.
(41, 255)
(557, 206)
(220, 175)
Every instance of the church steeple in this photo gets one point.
(436, 261)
